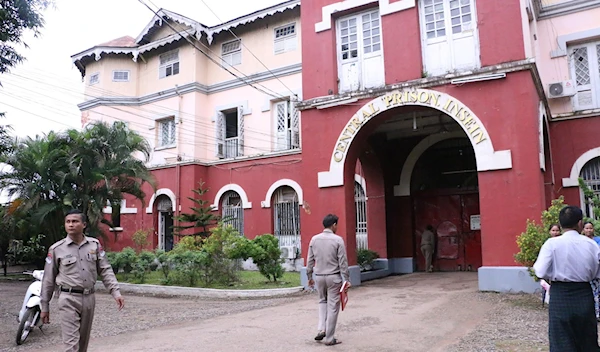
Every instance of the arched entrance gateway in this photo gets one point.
(420, 152)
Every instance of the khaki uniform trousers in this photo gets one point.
(76, 316)
(329, 303)
(427, 251)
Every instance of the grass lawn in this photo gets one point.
(248, 280)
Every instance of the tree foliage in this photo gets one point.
(266, 255)
(530, 242)
(16, 17)
(87, 170)
(201, 219)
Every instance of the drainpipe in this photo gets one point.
(178, 166)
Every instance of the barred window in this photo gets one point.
(166, 132)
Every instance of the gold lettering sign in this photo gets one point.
(428, 98)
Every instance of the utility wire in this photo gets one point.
(250, 51)
(154, 113)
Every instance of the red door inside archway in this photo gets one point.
(458, 238)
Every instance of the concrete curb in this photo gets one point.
(160, 290)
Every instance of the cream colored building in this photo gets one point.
(200, 93)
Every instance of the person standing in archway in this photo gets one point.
(428, 247)
(571, 262)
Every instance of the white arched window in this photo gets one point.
(233, 211)
(590, 173)
(360, 202)
(286, 214)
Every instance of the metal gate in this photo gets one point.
(360, 202)
(232, 211)
(286, 214)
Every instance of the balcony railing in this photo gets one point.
(231, 148)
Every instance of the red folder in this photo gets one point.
(344, 294)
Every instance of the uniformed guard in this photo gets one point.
(329, 252)
(72, 266)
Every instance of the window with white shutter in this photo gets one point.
(169, 64)
(287, 121)
(584, 60)
(285, 38)
(166, 132)
(231, 52)
(94, 78)
(120, 76)
(230, 133)
(360, 52)
(449, 32)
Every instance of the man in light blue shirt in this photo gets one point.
(570, 261)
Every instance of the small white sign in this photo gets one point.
(475, 222)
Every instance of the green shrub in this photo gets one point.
(142, 265)
(140, 238)
(365, 258)
(266, 255)
(127, 259)
(530, 242)
(113, 259)
(189, 267)
(165, 261)
(188, 243)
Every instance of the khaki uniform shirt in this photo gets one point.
(76, 266)
(329, 252)
(427, 238)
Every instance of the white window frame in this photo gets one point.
(93, 81)
(286, 42)
(449, 36)
(593, 55)
(232, 57)
(172, 63)
(159, 133)
(224, 146)
(115, 72)
(361, 56)
(292, 128)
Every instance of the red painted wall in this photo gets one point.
(401, 36)
(570, 139)
(500, 31)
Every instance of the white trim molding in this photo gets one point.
(124, 210)
(573, 179)
(283, 182)
(163, 191)
(563, 40)
(385, 8)
(487, 158)
(362, 182)
(235, 188)
(403, 188)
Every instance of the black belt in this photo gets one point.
(328, 274)
(82, 291)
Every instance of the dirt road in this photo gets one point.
(418, 312)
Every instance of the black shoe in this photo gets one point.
(320, 336)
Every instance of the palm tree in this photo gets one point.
(85, 170)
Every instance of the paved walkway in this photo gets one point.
(417, 312)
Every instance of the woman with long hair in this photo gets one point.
(554, 230)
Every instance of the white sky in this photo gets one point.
(42, 93)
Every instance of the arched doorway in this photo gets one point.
(232, 210)
(445, 195)
(164, 211)
(286, 219)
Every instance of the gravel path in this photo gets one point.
(141, 313)
(442, 311)
(516, 323)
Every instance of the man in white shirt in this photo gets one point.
(570, 261)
